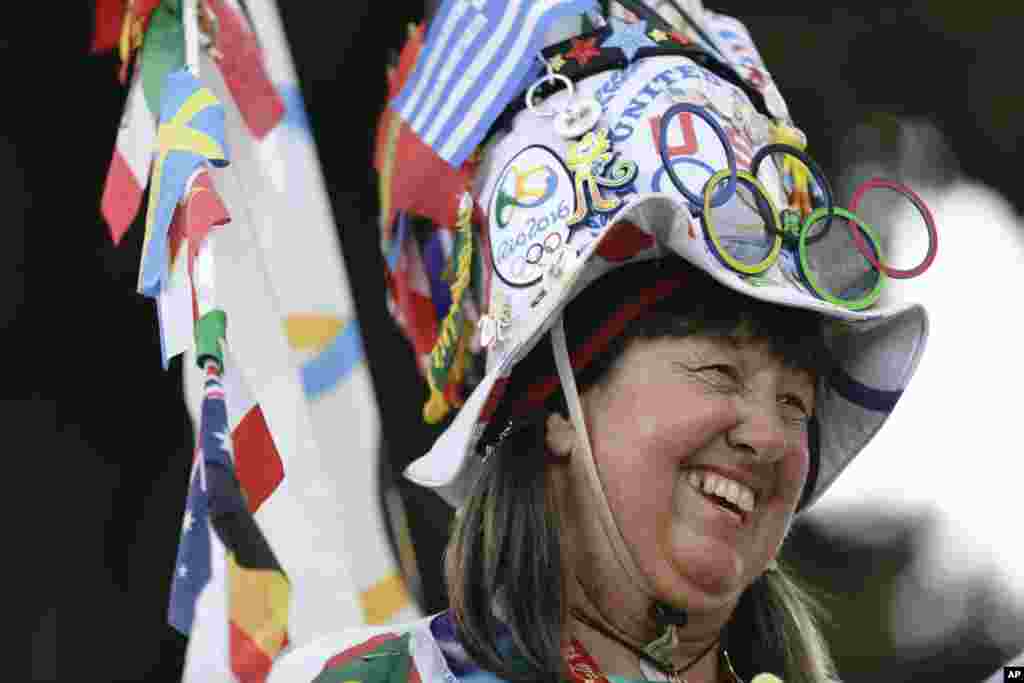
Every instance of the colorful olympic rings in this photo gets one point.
(722, 196)
(926, 214)
(784, 230)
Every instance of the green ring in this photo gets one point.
(722, 252)
(858, 304)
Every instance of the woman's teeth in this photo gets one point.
(712, 484)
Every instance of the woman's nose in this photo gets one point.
(761, 433)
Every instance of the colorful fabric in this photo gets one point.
(425, 651)
(256, 588)
(191, 134)
(381, 659)
(298, 346)
(448, 354)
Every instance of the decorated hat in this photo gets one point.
(629, 141)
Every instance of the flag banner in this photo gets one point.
(334, 466)
(287, 426)
(191, 134)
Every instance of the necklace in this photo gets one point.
(585, 670)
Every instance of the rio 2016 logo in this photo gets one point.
(530, 207)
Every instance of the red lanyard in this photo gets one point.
(584, 669)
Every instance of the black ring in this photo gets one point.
(811, 164)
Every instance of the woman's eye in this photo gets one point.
(720, 372)
(797, 403)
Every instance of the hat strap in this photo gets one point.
(560, 351)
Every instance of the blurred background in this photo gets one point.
(917, 550)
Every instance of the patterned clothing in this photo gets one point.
(423, 651)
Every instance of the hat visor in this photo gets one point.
(876, 352)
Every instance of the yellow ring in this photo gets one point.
(722, 252)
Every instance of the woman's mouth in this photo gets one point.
(728, 494)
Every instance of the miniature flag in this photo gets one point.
(257, 461)
(237, 52)
(199, 212)
(162, 53)
(129, 167)
(191, 134)
(473, 63)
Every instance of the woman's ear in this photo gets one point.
(560, 437)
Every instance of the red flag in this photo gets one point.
(413, 177)
(240, 60)
(107, 29)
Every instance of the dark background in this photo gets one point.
(122, 441)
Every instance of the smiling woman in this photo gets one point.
(698, 416)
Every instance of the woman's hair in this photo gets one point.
(503, 562)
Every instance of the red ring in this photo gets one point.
(926, 214)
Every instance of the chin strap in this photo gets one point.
(667, 618)
(572, 400)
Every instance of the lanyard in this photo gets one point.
(583, 668)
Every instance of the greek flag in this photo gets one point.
(476, 58)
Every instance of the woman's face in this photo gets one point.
(701, 445)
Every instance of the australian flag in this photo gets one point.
(192, 568)
(222, 549)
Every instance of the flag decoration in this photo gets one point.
(222, 543)
(295, 393)
(441, 113)
(190, 134)
(237, 53)
(199, 211)
(450, 109)
(122, 24)
(258, 463)
(130, 164)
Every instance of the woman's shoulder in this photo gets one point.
(368, 654)
(422, 651)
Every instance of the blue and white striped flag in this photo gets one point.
(476, 58)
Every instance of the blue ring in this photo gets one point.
(721, 196)
(656, 183)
